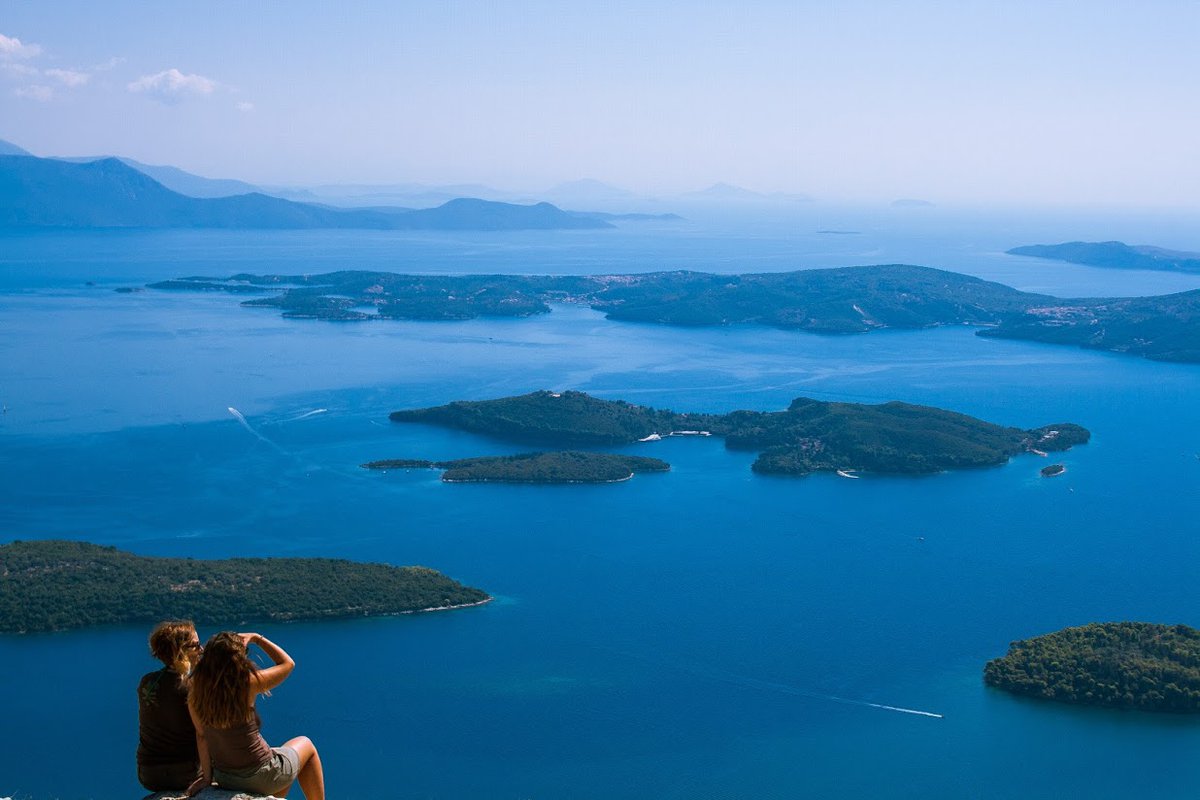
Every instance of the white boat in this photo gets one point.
(845, 473)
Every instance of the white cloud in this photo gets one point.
(42, 94)
(12, 47)
(171, 85)
(69, 77)
(104, 66)
(242, 106)
(22, 71)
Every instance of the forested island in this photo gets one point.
(559, 467)
(1053, 470)
(1133, 665)
(56, 585)
(842, 300)
(1113, 254)
(810, 436)
(1165, 328)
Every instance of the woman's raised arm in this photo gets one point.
(267, 679)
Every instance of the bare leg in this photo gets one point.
(312, 777)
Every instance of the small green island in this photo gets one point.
(842, 300)
(53, 585)
(570, 466)
(810, 436)
(1053, 470)
(1130, 665)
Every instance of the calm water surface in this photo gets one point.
(702, 633)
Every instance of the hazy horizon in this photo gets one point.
(852, 103)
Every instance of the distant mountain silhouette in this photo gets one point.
(108, 193)
(178, 180)
(10, 149)
(467, 213)
(727, 192)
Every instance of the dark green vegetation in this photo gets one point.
(563, 418)
(1136, 665)
(1165, 328)
(55, 585)
(1114, 254)
(810, 436)
(1052, 470)
(108, 193)
(560, 467)
(358, 295)
(842, 300)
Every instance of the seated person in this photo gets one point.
(167, 758)
(233, 752)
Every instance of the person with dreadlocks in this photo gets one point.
(167, 759)
(223, 687)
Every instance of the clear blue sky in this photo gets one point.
(1037, 102)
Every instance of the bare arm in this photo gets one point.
(267, 679)
(205, 778)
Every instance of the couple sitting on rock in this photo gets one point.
(197, 722)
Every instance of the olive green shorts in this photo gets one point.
(275, 775)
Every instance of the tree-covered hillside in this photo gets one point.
(842, 300)
(55, 585)
(561, 467)
(810, 436)
(1135, 665)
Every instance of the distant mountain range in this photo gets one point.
(178, 180)
(109, 193)
(388, 197)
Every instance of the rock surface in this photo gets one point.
(211, 793)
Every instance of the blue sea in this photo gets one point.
(704, 633)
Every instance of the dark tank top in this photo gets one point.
(165, 732)
(238, 748)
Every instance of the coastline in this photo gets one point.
(536, 483)
(483, 602)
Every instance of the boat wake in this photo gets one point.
(312, 413)
(242, 421)
(782, 688)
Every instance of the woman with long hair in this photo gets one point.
(167, 759)
(223, 687)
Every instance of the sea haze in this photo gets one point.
(701, 633)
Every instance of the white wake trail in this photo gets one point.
(771, 686)
(894, 708)
(784, 688)
(242, 421)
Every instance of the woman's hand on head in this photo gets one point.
(248, 638)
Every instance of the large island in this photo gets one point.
(1114, 254)
(55, 585)
(561, 467)
(1134, 665)
(810, 436)
(843, 300)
